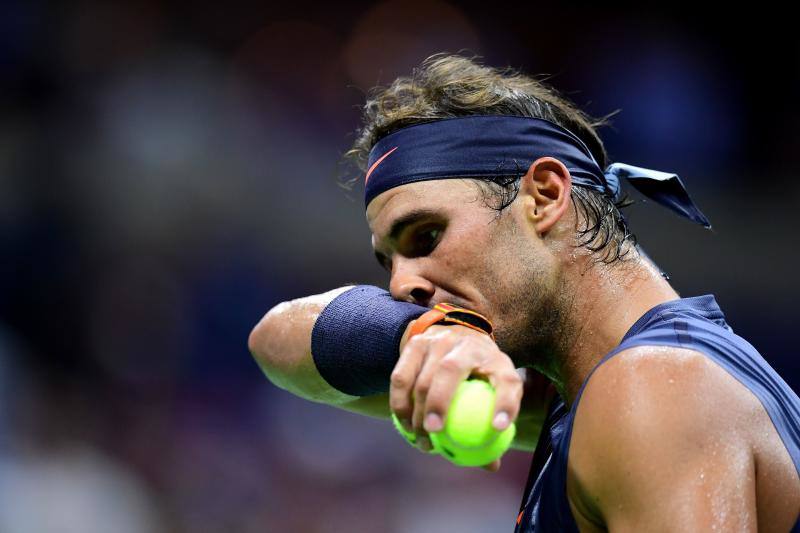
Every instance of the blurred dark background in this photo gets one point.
(168, 173)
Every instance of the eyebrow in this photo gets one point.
(399, 225)
(408, 219)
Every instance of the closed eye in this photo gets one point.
(415, 234)
(422, 240)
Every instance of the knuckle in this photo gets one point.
(450, 363)
(398, 380)
(416, 341)
(440, 334)
(510, 378)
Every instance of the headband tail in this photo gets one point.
(662, 187)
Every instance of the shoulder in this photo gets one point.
(682, 386)
(653, 415)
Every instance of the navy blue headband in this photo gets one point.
(492, 145)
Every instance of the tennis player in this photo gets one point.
(496, 213)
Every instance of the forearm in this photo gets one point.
(356, 343)
(281, 345)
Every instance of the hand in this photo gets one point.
(433, 364)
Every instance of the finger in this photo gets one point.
(454, 367)
(402, 380)
(494, 466)
(508, 386)
(430, 367)
(424, 443)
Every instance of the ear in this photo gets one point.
(545, 190)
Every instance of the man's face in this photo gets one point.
(441, 243)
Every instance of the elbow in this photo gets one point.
(264, 342)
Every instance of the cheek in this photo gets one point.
(461, 249)
(508, 266)
(476, 256)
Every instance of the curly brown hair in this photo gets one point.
(447, 86)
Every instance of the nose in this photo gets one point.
(408, 283)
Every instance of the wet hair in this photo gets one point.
(447, 86)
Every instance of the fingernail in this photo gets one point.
(433, 422)
(425, 444)
(500, 421)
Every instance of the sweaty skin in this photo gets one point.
(666, 440)
(552, 307)
(659, 431)
(639, 444)
(281, 345)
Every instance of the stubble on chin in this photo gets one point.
(532, 303)
(535, 331)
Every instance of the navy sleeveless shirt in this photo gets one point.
(695, 323)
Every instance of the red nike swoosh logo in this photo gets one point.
(378, 162)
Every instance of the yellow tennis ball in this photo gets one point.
(468, 438)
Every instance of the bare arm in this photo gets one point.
(281, 345)
(660, 444)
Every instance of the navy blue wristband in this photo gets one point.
(356, 339)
